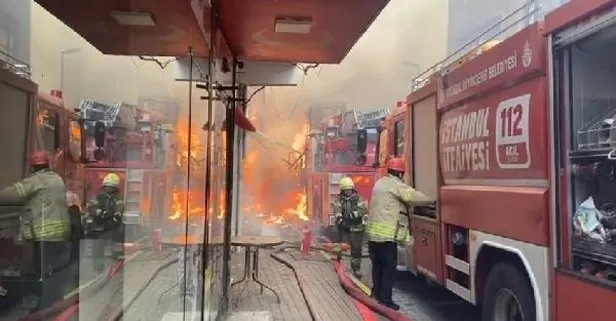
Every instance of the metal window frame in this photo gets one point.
(585, 29)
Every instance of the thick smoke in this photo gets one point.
(406, 38)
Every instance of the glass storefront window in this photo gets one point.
(136, 211)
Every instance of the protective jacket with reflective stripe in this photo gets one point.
(45, 216)
(391, 197)
(343, 208)
(106, 210)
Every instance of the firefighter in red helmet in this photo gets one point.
(386, 228)
(45, 224)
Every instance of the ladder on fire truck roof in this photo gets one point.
(525, 15)
(14, 65)
(371, 119)
(117, 115)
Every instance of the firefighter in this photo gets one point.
(350, 211)
(105, 224)
(386, 228)
(45, 224)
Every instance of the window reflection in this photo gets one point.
(399, 138)
(74, 139)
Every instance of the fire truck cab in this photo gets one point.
(136, 149)
(33, 121)
(58, 131)
(331, 151)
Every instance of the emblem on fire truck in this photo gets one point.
(527, 55)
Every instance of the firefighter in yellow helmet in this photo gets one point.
(350, 210)
(104, 221)
(386, 228)
(45, 226)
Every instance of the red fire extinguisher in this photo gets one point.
(307, 241)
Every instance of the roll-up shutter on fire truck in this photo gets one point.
(425, 164)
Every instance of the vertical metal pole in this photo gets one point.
(238, 165)
(208, 157)
(187, 205)
(230, 132)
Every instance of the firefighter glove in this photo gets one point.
(339, 220)
(355, 214)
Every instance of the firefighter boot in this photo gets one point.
(355, 266)
(337, 250)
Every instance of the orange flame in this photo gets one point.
(181, 198)
(274, 192)
(178, 204)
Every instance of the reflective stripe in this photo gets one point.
(387, 231)
(47, 229)
(381, 229)
(19, 188)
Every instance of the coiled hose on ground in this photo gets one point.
(346, 284)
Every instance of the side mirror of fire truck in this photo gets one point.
(99, 140)
(362, 141)
(377, 153)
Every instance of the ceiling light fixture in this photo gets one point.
(293, 25)
(129, 18)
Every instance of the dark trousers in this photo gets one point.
(104, 249)
(53, 264)
(384, 257)
(354, 239)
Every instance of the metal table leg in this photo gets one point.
(255, 274)
(246, 267)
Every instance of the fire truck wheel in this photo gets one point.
(507, 295)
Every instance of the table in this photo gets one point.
(189, 283)
(252, 244)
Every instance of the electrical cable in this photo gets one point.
(253, 94)
(162, 65)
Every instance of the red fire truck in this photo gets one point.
(32, 121)
(331, 150)
(517, 144)
(136, 149)
(57, 130)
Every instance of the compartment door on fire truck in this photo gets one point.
(334, 191)
(133, 196)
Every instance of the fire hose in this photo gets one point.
(73, 300)
(117, 313)
(70, 303)
(90, 290)
(119, 310)
(360, 296)
(346, 284)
